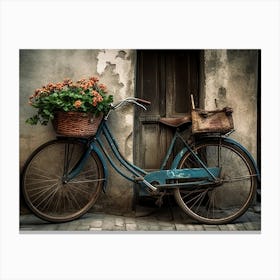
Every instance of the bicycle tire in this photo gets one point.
(43, 187)
(228, 201)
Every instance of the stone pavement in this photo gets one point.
(145, 220)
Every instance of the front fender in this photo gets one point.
(94, 147)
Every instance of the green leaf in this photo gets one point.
(33, 120)
(47, 112)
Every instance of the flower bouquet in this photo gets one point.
(83, 102)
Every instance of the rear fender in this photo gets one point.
(179, 156)
(229, 140)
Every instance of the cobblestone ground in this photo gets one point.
(142, 220)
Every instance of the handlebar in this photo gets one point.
(137, 101)
(142, 101)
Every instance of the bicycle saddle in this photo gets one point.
(176, 122)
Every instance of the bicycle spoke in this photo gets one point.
(40, 181)
(213, 204)
(50, 199)
(74, 199)
(199, 205)
(81, 190)
(85, 181)
(196, 198)
(45, 174)
(228, 199)
(85, 172)
(188, 193)
(42, 191)
(240, 178)
(43, 188)
(68, 157)
(46, 197)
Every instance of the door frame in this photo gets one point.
(162, 87)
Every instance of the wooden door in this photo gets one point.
(166, 78)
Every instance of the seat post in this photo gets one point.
(169, 151)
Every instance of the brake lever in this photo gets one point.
(138, 104)
(128, 100)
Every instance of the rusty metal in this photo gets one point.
(220, 121)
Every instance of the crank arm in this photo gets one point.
(142, 180)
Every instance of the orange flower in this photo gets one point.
(73, 85)
(37, 92)
(58, 86)
(94, 79)
(78, 104)
(103, 87)
(96, 100)
(85, 85)
(91, 83)
(67, 82)
(81, 81)
(95, 93)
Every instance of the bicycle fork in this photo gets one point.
(68, 175)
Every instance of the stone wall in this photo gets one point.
(115, 68)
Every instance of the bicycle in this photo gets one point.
(213, 178)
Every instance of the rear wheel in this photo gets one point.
(45, 190)
(223, 203)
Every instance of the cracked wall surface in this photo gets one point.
(231, 79)
(116, 69)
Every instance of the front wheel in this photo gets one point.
(45, 190)
(228, 200)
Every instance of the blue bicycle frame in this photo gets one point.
(162, 176)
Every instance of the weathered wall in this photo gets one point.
(116, 69)
(231, 77)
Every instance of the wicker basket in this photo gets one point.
(76, 124)
(219, 121)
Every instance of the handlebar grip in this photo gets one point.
(142, 101)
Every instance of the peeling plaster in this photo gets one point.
(116, 69)
(123, 67)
